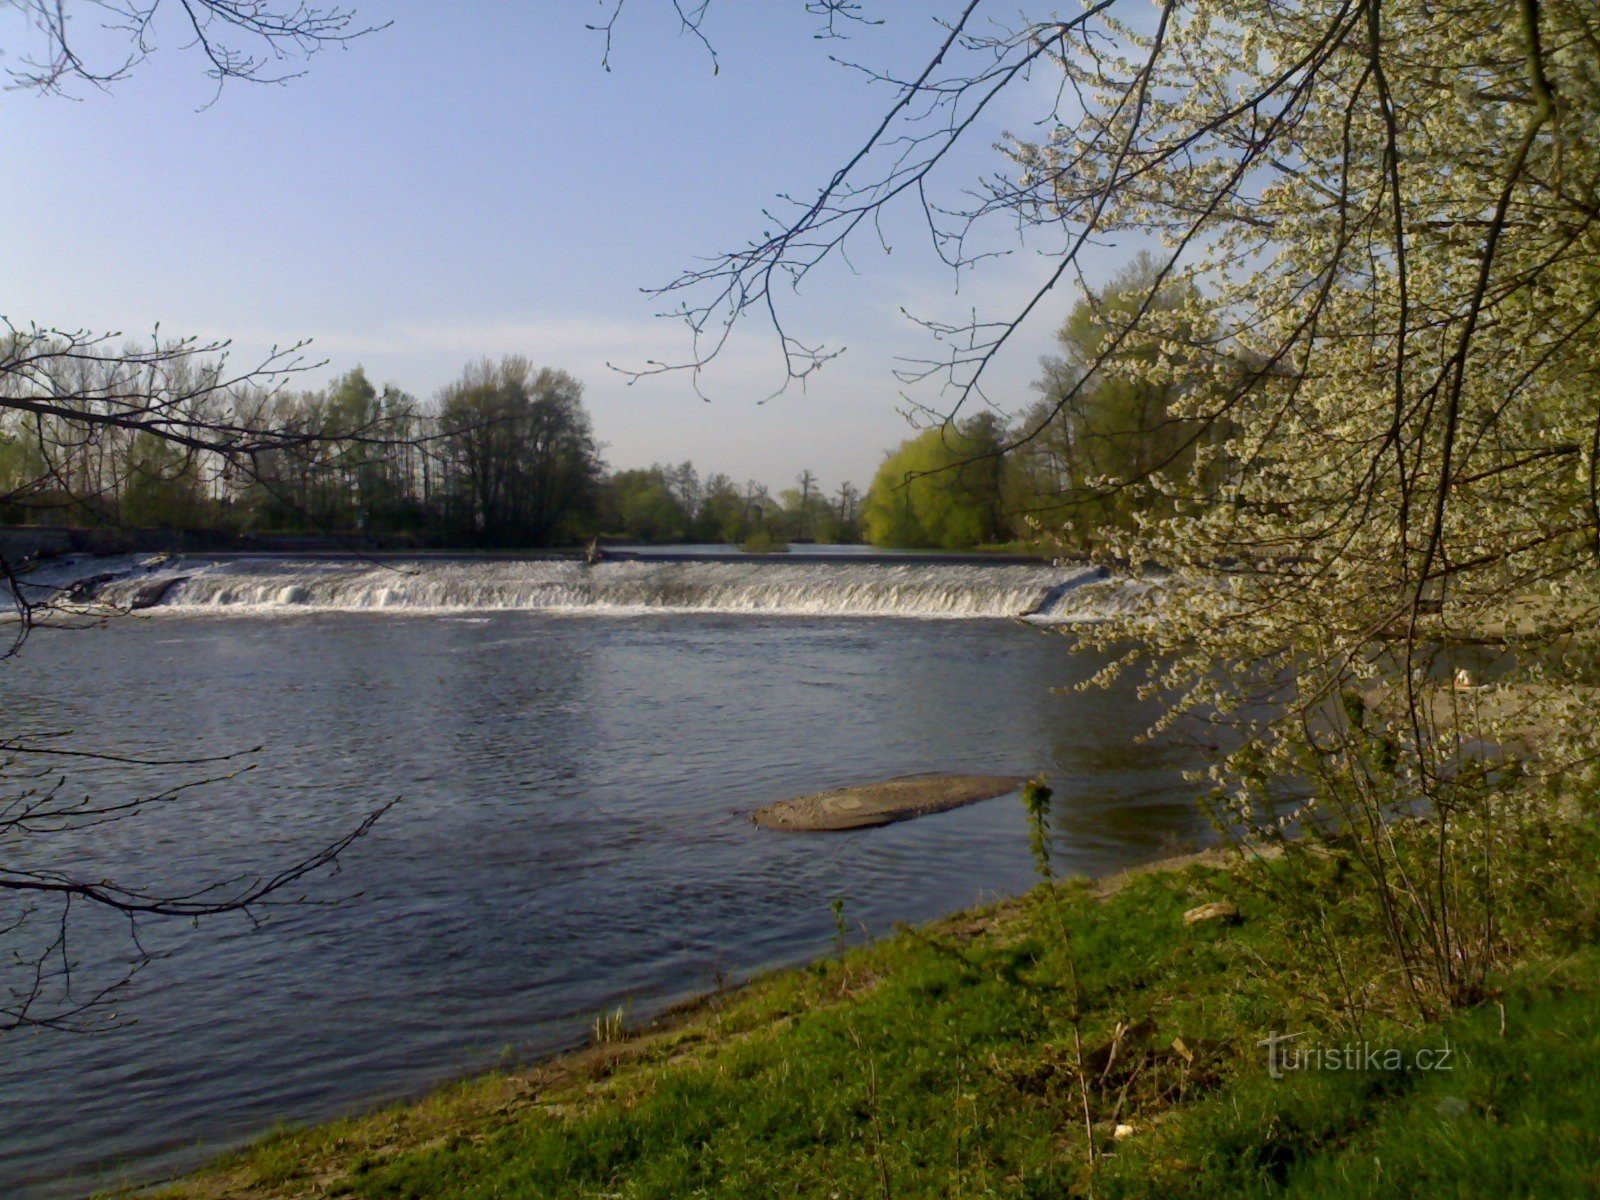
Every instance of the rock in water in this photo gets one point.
(891, 800)
(153, 592)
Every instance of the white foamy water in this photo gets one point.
(1042, 593)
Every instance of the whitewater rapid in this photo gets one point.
(1040, 593)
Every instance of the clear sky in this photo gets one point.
(471, 181)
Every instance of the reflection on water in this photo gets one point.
(574, 834)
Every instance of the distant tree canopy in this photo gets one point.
(642, 504)
(519, 456)
(163, 486)
(941, 488)
(665, 503)
(1105, 447)
(360, 466)
(504, 456)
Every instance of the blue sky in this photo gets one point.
(471, 181)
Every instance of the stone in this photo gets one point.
(898, 799)
(1219, 910)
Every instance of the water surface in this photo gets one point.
(574, 834)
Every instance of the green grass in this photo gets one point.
(941, 1062)
(1516, 1114)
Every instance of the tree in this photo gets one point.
(641, 504)
(68, 401)
(845, 513)
(940, 488)
(520, 451)
(1381, 215)
(722, 516)
(1113, 451)
(82, 421)
(1379, 220)
(684, 483)
(250, 40)
(804, 527)
(163, 485)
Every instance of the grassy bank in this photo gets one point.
(946, 1061)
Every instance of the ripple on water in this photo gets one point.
(574, 833)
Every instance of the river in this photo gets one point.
(577, 752)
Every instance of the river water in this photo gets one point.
(573, 834)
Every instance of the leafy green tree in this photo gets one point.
(354, 415)
(164, 487)
(1104, 447)
(940, 489)
(799, 503)
(519, 452)
(761, 511)
(641, 504)
(24, 473)
(843, 522)
(722, 516)
(683, 481)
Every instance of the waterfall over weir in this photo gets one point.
(1042, 593)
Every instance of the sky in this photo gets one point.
(472, 180)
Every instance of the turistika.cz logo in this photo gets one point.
(1283, 1056)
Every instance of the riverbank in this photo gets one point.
(950, 1060)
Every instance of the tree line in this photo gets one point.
(505, 456)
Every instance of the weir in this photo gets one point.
(915, 589)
